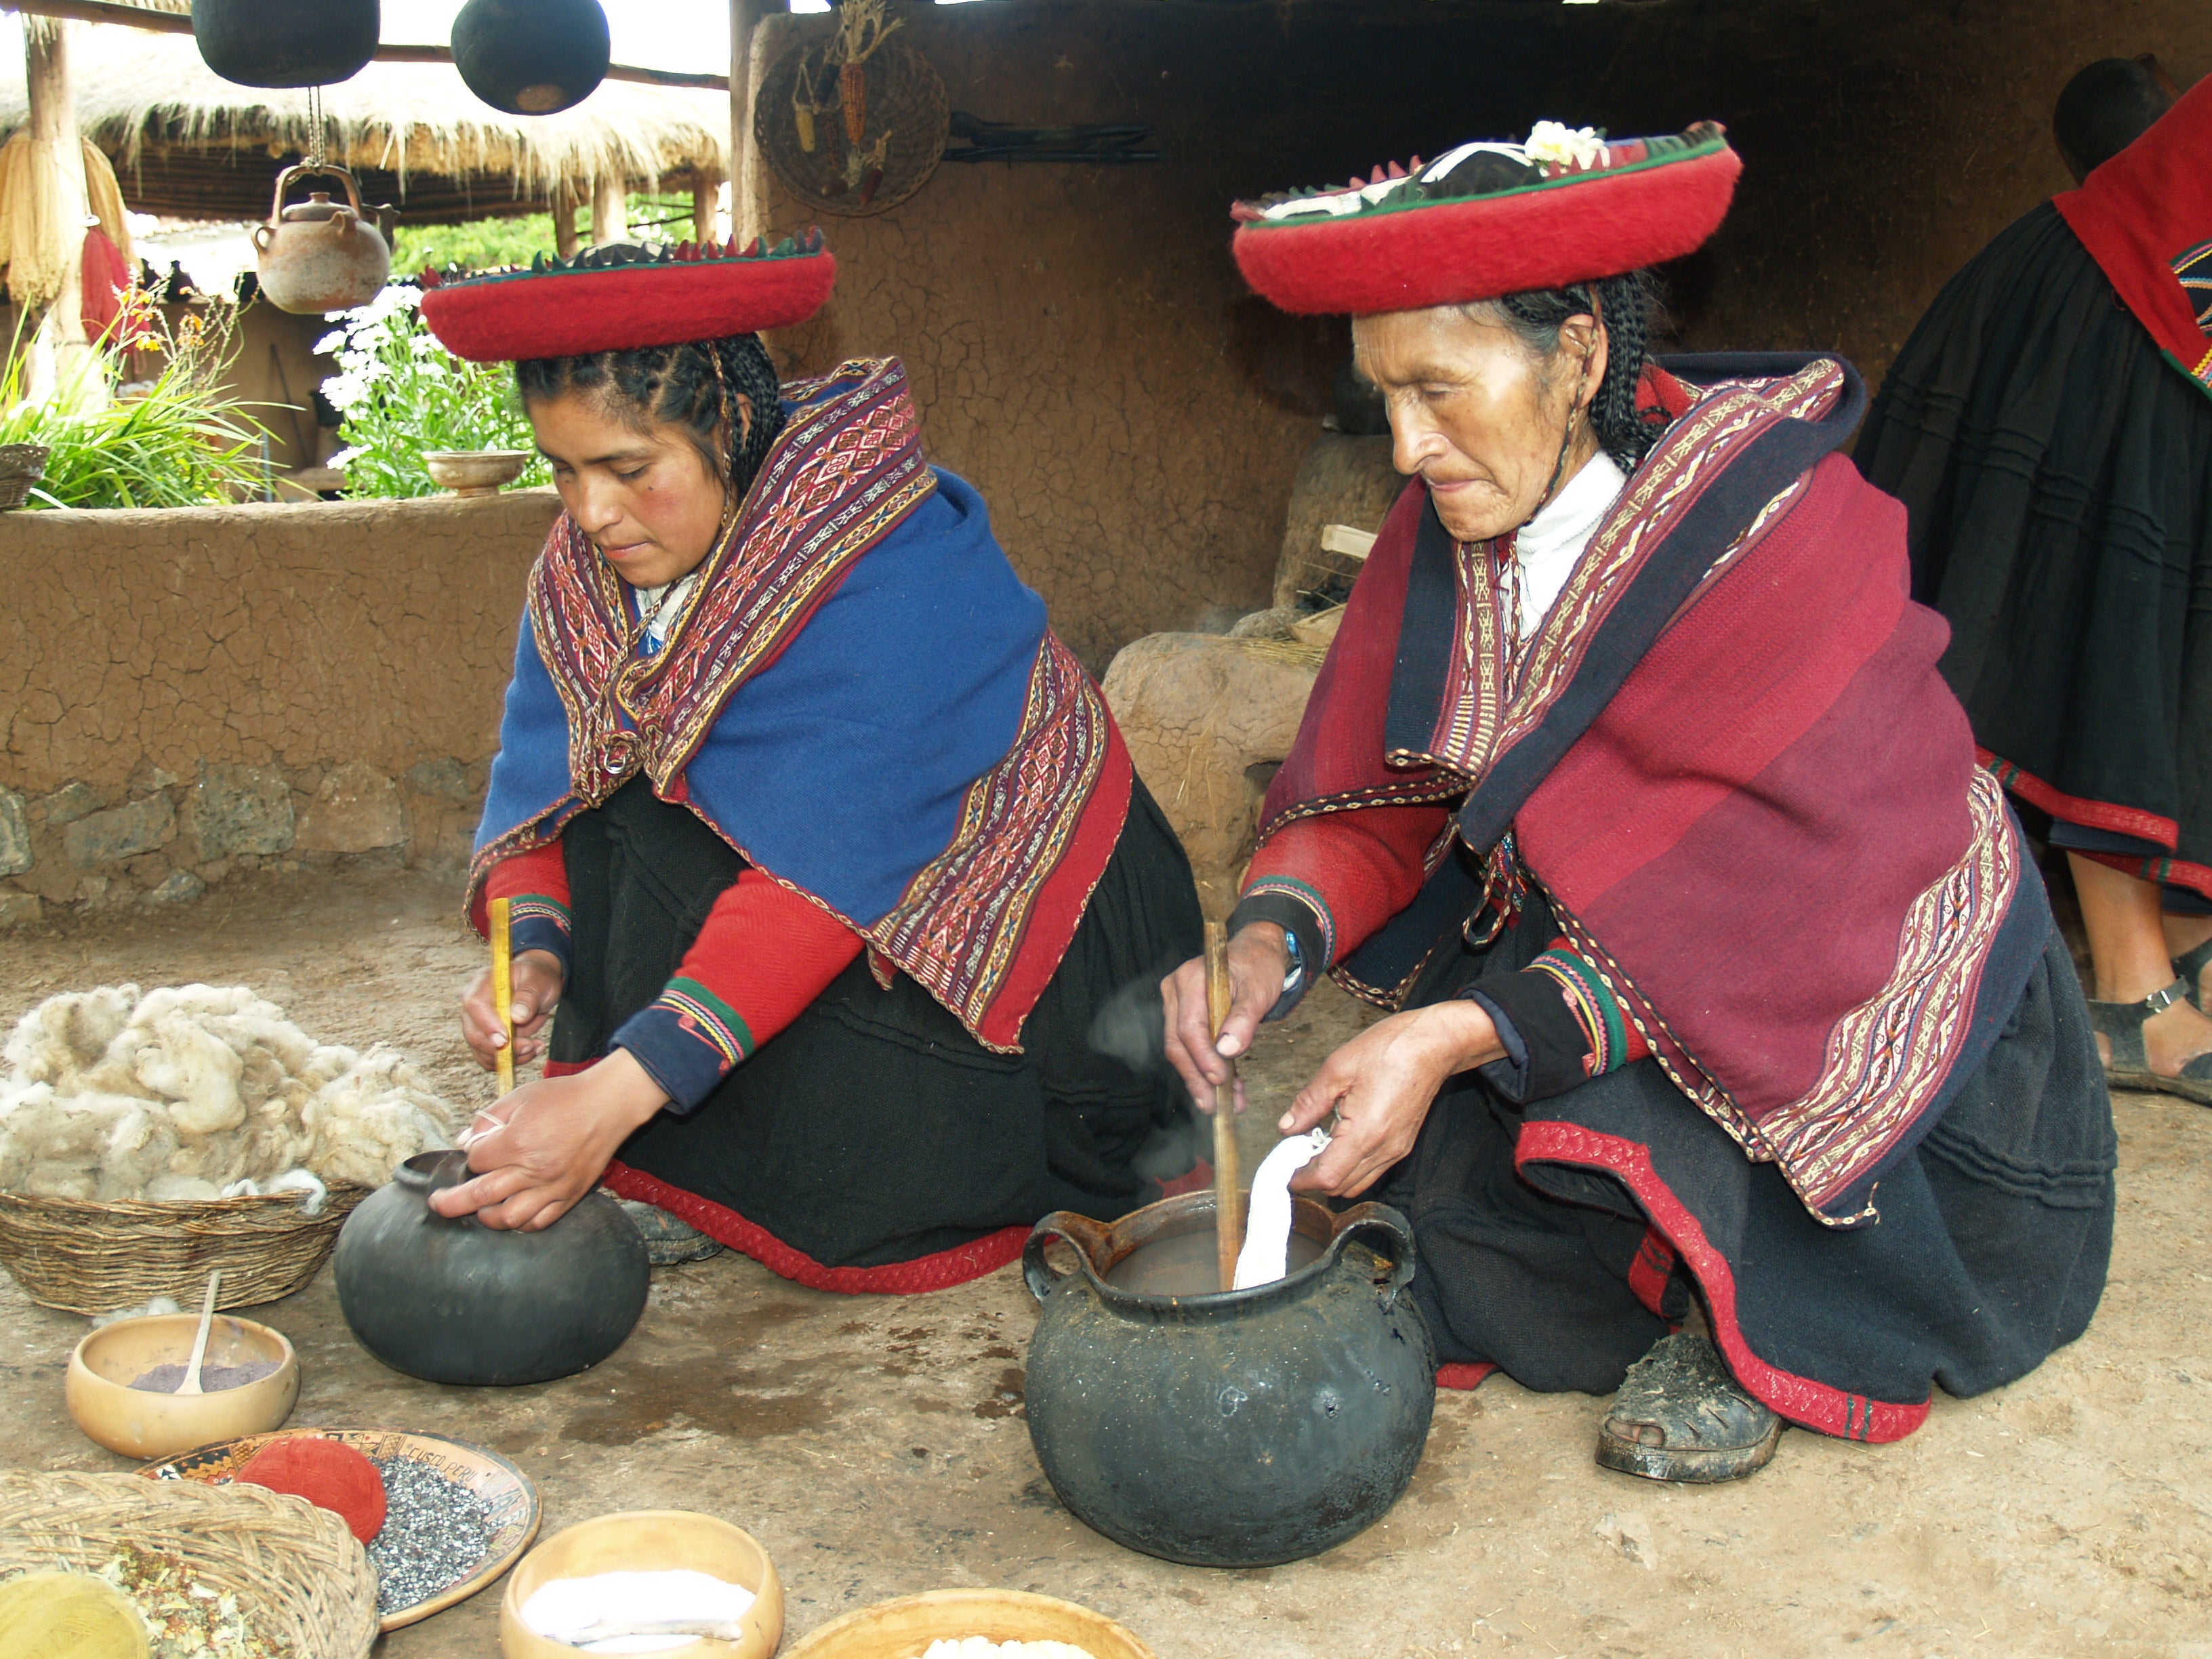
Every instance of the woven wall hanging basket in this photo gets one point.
(299, 1577)
(90, 1258)
(804, 125)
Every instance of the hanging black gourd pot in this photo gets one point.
(286, 43)
(531, 56)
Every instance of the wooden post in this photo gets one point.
(62, 359)
(564, 217)
(609, 209)
(745, 69)
(706, 183)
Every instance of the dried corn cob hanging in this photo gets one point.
(853, 90)
(860, 29)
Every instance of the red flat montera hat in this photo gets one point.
(623, 298)
(1488, 220)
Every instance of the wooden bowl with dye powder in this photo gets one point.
(904, 1629)
(149, 1422)
(649, 1541)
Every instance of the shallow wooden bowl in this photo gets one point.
(142, 1424)
(904, 1629)
(475, 472)
(649, 1541)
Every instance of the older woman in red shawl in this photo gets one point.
(1720, 980)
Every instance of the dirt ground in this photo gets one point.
(876, 1445)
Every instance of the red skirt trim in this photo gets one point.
(2090, 814)
(1463, 1374)
(939, 1271)
(2103, 815)
(1800, 1399)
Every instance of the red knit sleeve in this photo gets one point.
(536, 885)
(767, 953)
(542, 870)
(763, 955)
(1354, 869)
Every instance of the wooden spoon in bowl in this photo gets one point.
(192, 1383)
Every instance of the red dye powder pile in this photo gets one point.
(329, 1475)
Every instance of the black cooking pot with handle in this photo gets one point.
(1230, 1429)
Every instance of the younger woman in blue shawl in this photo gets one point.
(822, 851)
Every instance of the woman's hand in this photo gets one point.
(1258, 959)
(540, 1149)
(1381, 1084)
(536, 979)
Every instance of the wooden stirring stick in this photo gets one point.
(502, 985)
(1228, 1198)
(192, 1383)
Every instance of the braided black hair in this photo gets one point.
(691, 384)
(1624, 304)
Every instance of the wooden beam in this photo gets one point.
(564, 219)
(706, 185)
(610, 210)
(58, 150)
(744, 79)
(168, 22)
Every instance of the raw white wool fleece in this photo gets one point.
(191, 1090)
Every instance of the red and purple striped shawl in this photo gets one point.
(1731, 768)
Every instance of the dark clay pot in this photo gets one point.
(285, 43)
(458, 1301)
(531, 56)
(1236, 1428)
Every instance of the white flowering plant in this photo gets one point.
(401, 395)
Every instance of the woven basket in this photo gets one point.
(21, 466)
(906, 113)
(300, 1578)
(91, 1258)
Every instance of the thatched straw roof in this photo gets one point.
(184, 141)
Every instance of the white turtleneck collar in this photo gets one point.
(1550, 544)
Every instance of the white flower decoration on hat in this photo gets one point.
(1556, 143)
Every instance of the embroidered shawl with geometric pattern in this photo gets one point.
(860, 696)
(1730, 767)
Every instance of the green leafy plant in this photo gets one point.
(478, 245)
(178, 441)
(488, 244)
(402, 395)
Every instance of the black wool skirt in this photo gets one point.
(1558, 1240)
(874, 1144)
(2057, 471)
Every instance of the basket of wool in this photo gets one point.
(148, 1139)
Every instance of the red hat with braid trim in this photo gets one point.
(622, 298)
(1488, 220)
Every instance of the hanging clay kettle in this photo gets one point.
(455, 1301)
(531, 56)
(320, 255)
(286, 43)
(1228, 1429)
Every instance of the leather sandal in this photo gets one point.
(2121, 1023)
(2190, 967)
(1680, 1416)
(670, 1241)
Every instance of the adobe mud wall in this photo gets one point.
(185, 694)
(1084, 351)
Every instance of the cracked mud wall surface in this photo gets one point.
(377, 633)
